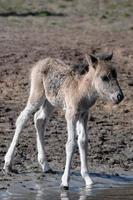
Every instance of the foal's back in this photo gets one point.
(47, 78)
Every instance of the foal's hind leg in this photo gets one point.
(35, 100)
(20, 123)
(40, 119)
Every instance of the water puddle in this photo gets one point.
(37, 187)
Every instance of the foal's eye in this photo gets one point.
(105, 78)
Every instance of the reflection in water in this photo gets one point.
(42, 193)
(47, 188)
(82, 195)
(64, 195)
(55, 193)
(85, 193)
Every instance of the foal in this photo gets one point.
(55, 84)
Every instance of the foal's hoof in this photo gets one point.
(8, 169)
(50, 171)
(64, 187)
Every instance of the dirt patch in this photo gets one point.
(83, 28)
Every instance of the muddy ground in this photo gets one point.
(66, 29)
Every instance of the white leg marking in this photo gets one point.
(40, 119)
(70, 145)
(20, 123)
(83, 147)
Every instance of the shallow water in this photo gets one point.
(32, 187)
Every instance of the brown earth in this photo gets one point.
(81, 28)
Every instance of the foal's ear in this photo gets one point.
(92, 60)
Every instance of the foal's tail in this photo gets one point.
(37, 93)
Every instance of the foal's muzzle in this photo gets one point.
(118, 97)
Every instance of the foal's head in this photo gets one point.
(105, 77)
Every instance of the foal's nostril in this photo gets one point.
(120, 97)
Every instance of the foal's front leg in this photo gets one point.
(83, 147)
(70, 145)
